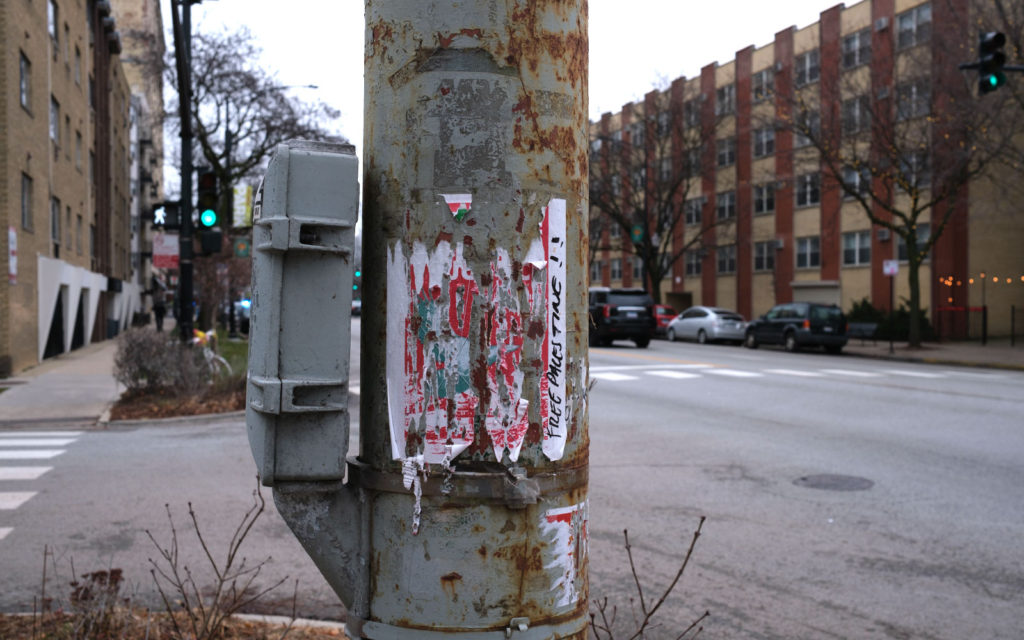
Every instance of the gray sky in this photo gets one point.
(634, 46)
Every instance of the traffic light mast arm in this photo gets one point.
(964, 66)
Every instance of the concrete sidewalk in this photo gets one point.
(77, 388)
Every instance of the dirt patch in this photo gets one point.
(139, 624)
(149, 405)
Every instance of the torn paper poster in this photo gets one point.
(459, 204)
(554, 403)
(565, 532)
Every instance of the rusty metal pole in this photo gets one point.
(474, 441)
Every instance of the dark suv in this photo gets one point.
(621, 314)
(799, 324)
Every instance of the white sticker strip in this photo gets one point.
(555, 407)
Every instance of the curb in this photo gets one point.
(205, 417)
(308, 623)
(949, 362)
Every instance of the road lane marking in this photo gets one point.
(22, 473)
(976, 374)
(641, 356)
(639, 367)
(734, 373)
(794, 372)
(674, 375)
(40, 434)
(14, 499)
(611, 376)
(851, 372)
(914, 374)
(30, 454)
(4, 531)
(36, 442)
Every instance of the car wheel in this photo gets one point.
(791, 344)
(702, 337)
(642, 342)
(834, 350)
(671, 335)
(750, 341)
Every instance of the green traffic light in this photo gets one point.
(359, 273)
(208, 218)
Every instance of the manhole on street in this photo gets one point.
(834, 482)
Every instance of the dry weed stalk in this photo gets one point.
(602, 622)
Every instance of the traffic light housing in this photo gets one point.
(207, 198)
(991, 60)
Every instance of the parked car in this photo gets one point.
(799, 324)
(707, 324)
(663, 315)
(621, 314)
(357, 307)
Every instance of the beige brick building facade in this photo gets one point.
(66, 195)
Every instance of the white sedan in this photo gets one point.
(707, 324)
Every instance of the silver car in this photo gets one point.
(707, 324)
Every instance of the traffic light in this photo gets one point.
(991, 61)
(357, 279)
(207, 198)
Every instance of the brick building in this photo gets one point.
(776, 223)
(66, 193)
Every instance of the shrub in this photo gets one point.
(898, 326)
(148, 360)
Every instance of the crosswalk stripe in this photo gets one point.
(852, 373)
(36, 442)
(40, 434)
(914, 374)
(29, 454)
(639, 367)
(4, 531)
(14, 499)
(22, 473)
(674, 375)
(612, 376)
(734, 373)
(794, 372)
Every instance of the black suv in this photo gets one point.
(799, 324)
(621, 314)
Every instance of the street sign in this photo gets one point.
(242, 247)
(165, 251)
(890, 267)
(637, 234)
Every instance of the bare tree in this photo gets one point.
(241, 112)
(641, 177)
(905, 152)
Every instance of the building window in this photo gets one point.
(764, 142)
(691, 113)
(913, 99)
(616, 270)
(638, 268)
(664, 120)
(78, 150)
(762, 85)
(725, 100)
(726, 152)
(692, 209)
(616, 185)
(595, 271)
(55, 220)
(78, 235)
(614, 230)
(857, 248)
(693, 262)
(52, 19)
(924, 230)
(78, 66)
(638, 178)
(25, 82)
(857, 49)
(665, 170)
(808, 128)
(764, 256)
(764, 197)
(808, 252)
(856, 181)
(727, 259)
(914, 27)
(915, 171)
(55, 121)
(808, 190)
(636, 134)
(67, 228)
(725, 205)
(807, 68)
(693, 162)
(26, 202)
(856, 114)
(67, 136)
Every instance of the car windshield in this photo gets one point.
(629, 299)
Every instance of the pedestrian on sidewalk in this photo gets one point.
(159, 310)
